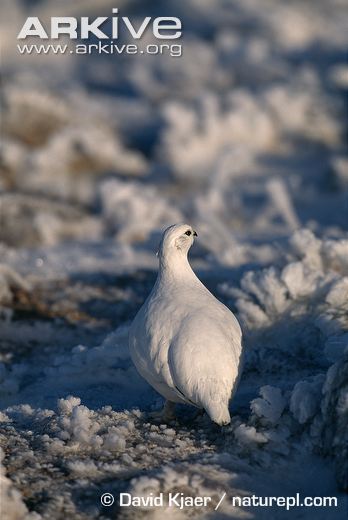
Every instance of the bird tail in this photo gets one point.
(214, 397)
(218, 412)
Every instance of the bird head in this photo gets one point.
(177, 239)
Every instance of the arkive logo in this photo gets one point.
(163, 28)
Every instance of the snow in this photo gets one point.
(12, 505)
(244, 138)
(132, 211)
(270, 405)
(305, 399)
(248, 435)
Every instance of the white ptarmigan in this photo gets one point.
(183, 341)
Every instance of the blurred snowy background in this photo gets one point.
(244, 137)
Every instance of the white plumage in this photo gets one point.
(183, 341)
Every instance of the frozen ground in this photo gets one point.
(244, 137)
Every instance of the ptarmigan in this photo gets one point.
(183, 341)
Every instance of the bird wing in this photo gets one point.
(204, 357)
(148, 344)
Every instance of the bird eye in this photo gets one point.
(188, 233)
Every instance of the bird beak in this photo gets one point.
(195, 234)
